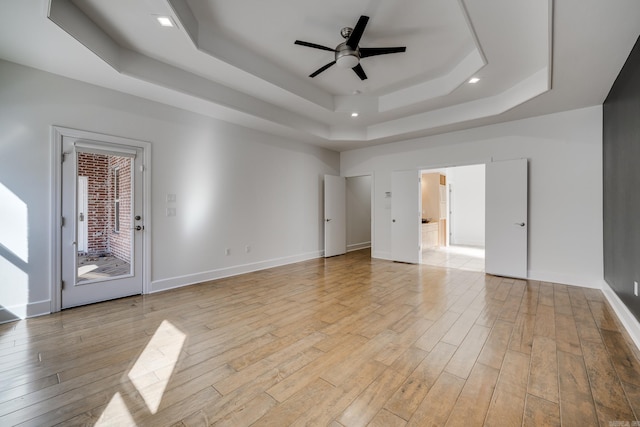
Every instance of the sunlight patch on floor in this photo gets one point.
(116, 413)
(461, 257)
(470, 251)
(86, 269)
(160, 357)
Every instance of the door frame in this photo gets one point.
(57, 134)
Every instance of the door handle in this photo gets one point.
(328, 219)
(138, 228)
(521, 224)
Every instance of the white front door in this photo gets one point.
(111, 264)
(406, 217)
(335, 215)
(506, 218)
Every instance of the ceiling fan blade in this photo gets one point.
(357, 32)
(321, 69)
(373, 51)
(315, 46)
(360, 72)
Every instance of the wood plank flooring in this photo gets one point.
(346, 341)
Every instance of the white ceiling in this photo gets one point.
(237, 61)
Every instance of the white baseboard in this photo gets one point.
(628, 320)
(566, 279)
(19, 312)
(192, 279)
(358, 246)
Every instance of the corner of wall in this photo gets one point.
(628, 320)
(33, 309)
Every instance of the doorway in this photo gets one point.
(102, 245)
(453, 217)
(347, 214)
(359, 214)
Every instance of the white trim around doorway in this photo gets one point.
(57, 133)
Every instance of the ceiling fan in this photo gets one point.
(348, 53)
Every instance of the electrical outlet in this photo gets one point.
(227, 251)
(635, 288)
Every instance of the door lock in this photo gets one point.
(81, 217)
(138, 217)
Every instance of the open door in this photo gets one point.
(506, 218)
(335, 215)
(406, 217)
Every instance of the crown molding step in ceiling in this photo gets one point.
(271, 67)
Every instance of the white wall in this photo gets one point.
(565, 184)
(358, 212)
(234, 186)
(467, 202)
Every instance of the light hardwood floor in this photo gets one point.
(347, 341)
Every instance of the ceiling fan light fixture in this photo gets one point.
(347, 61)
(354, 114)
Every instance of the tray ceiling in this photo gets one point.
(237, 60)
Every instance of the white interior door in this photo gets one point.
(506, 187)
(406, 202)
(82, 213)
(335, 215)
(114, 219)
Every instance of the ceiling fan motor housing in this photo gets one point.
(347, 57)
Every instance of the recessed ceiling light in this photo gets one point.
(473, 80)
(165, 21)
(354, 114)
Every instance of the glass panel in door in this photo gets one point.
(109, 220)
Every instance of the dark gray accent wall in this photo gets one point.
(621, 169)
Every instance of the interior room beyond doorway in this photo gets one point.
(453, 217)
